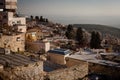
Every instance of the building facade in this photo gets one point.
(12, 27)
(34, 34)
(14, 42)
(9, 17)
(38, 46)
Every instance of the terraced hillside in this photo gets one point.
(101, 28)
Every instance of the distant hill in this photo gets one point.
(101, 28)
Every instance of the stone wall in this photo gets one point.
(111, 71)
(37, 46)
(32, 71)
(72, 62)
(72, 73)
(57, 58)
(13, 42)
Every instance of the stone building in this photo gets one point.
(8, 16)
(34, 42)
(8, 5)
(34, 34)
(58, 56)
(38, 46)
(96, 66)
(16, 23)
(12, 27)
(14, 42)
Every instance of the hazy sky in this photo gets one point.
(74, 11)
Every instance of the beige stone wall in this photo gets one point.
(57, 58)
(33, 47)
(72, 73)
(13, 42)
(72, 62)
(10, 4)
(21, 28)
(112, 71)
(37, 46)
(32, 71)
(17, 20)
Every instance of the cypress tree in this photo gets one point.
(80, 36)
(70, 33)
(95, 40)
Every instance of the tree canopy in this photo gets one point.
(82, 37)
(70, 33)
(95, 40)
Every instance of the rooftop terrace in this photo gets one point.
(92, 59)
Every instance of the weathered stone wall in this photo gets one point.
(72, 73)
(13, 42)
(111, 71)
(35, 72)
(37, 46)
(32, 71)
(57, 58)
(72, 62)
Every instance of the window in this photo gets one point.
(18, 39)
(33, 34)
(18, 22)
(18, 49)
(20, 29)
(13, 23)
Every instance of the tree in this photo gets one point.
(80, 36)
(98, 40)
(95, 40)
(31, 17)
(70, 33)
(46, 20)
(37, 18)
(92, 41)
(41, 19)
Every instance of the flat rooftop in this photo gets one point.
(60, 51)
(92, 59)
(14, 60)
